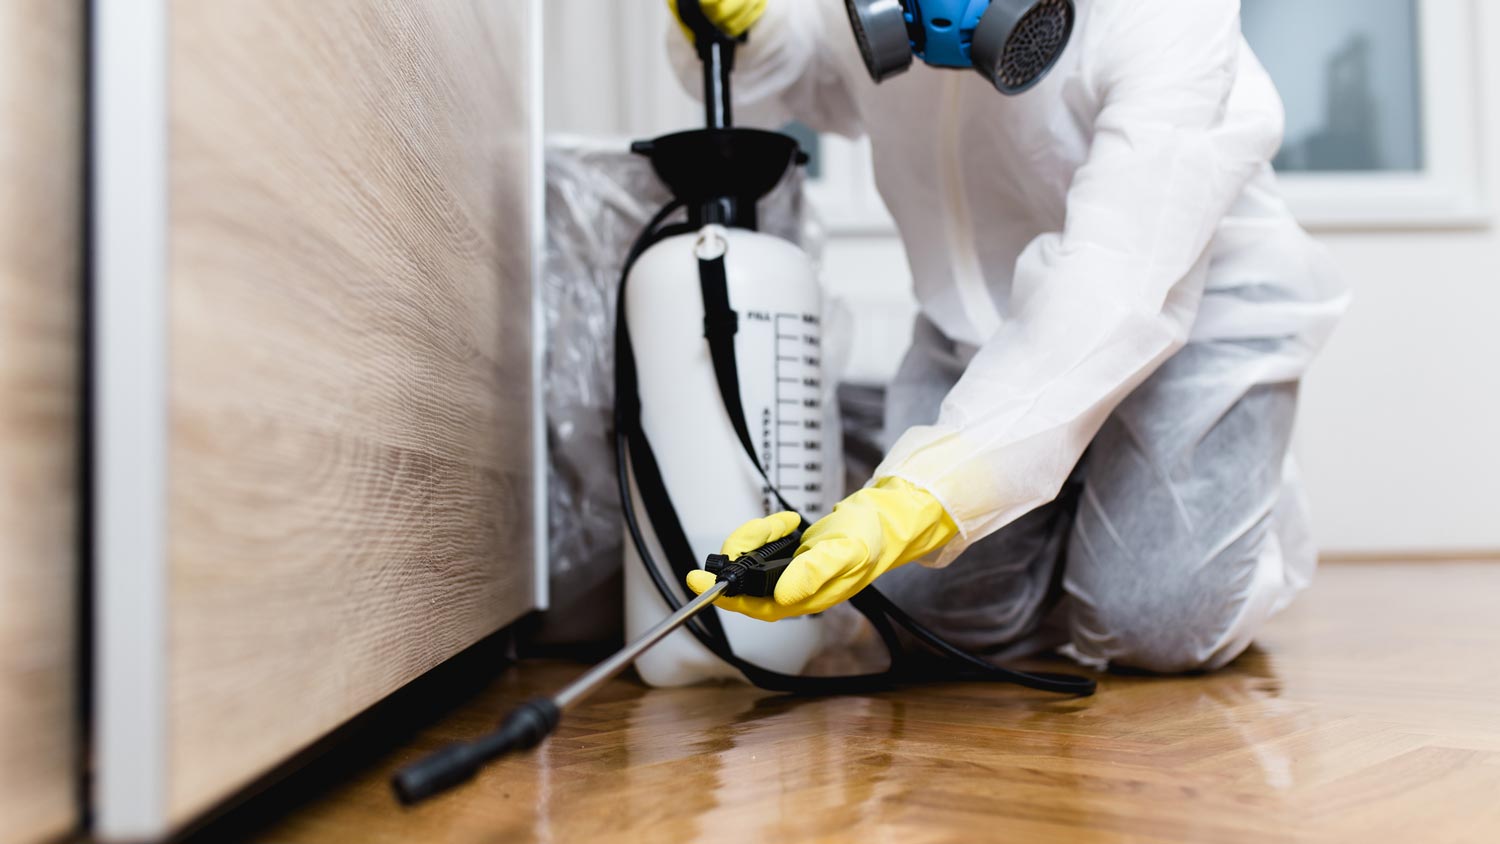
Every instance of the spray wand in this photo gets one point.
(754, 574)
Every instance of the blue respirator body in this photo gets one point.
(1012, 43)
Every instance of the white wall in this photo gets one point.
(606, 70)
(1400, 425)
(1400, 434)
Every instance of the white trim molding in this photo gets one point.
(537, 202)
(129, 364)
(1448, 191)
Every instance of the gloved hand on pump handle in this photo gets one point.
(732, 17)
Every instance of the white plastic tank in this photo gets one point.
(713, 486)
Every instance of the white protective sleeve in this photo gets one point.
(1100, 305)
(786, 70)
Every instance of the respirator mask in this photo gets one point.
(1012, 43)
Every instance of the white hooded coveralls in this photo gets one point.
(1068, 241)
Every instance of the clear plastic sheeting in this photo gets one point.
(599, 198)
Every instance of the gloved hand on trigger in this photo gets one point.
(732, 17)
(867, 534)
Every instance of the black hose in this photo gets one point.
(879, 609)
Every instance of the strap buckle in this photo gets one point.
(712, 243)
(720, 324)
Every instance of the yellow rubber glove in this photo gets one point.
(867, 534)
(732, 17)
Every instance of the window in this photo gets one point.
(1381, 101)
(1349, 74)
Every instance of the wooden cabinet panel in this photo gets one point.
(348, 487)
(350, 459)
(41, 165)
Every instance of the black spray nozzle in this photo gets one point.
(755, 573)
(448, 766)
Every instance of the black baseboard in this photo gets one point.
(360, 743)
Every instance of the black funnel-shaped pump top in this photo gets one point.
(720, 174)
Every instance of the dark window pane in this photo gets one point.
(1349, 73)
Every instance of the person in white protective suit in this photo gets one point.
(1116, 310)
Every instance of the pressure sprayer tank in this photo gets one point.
(712, 483)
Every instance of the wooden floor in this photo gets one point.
(1369, 712)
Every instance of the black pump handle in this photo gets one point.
(716, 51)
(691, 13)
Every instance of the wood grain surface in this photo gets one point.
(350, 488)
(41, 250)
(1368, 712)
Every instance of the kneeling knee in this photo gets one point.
(1165, 627)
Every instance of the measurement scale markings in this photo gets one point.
(796, 348)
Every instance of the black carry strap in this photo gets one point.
(720, 327)
(720, 324)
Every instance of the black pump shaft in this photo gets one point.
(718, 63)
(716, 50)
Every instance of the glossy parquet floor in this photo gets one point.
(1369, 712)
